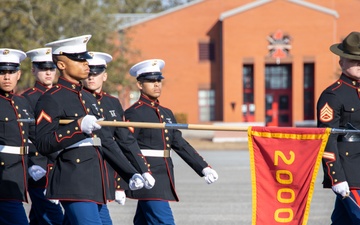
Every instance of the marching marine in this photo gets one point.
(157, 144)
(14, 136)
(43, 211)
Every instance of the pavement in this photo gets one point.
(227, 201)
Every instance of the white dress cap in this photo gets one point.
(147, 66)
(8, 55)
(99, 58)
(40, 55)
(69, 45)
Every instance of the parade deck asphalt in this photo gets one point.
(226, 202)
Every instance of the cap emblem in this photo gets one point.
(5, 52)
(86, 40)
(48, 52)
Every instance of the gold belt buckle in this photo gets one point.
(166, 153)
(24, 150)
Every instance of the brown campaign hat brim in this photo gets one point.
(337, 49)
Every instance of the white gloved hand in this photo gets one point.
(136, 182)
(120, 197)
(88, 124)
(149, 180)
(36, 172)
(55, 201)
(210, 175)
(341, 188)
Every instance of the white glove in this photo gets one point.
(341, 188)
(149, 180)
(120, 197)
(36, 172)
(88, 124)
(55, 201)
(210, 175)
(136, 182)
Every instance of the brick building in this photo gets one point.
(243, 60)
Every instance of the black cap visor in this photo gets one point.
(45, 65)
(95, 70)
(150, 76)
(81, 56)
(9, 66)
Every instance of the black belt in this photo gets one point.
(349, 138)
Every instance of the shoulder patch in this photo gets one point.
(326, 113)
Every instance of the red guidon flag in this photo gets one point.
(284, 164)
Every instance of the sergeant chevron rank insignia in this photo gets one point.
(326, 113)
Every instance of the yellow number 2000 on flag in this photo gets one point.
(284, 164)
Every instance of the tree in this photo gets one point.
(30, 24)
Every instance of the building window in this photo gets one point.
(206, 52)
(206, 105)
(309, 102)
(248, 107)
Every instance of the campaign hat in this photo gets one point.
(74, 48)
(149, 69)
(10, 59)
(349, 48)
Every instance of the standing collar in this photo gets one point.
(147, 100)
(68, 84)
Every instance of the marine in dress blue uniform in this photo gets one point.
(112, 111)
(14, 136)
(156, 145)
(339, 107)
(78, 178)
(42, 210)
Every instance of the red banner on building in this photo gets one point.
(284, 165)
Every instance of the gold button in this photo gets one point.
(335, 180)
(148, 165)
(354, 82)
(21, 124)
(76, 128)
(167, 138)
(6, 119)
(19, 115)
(99, 102)
(167, 145)
(87, 110)
(77, 160)
(352, 109)
(166, 131)
(118, 187)
(24, 140)
(36, 153)
(60, 135)
(2, 163)
(51, 167)
(95, 135)
(68, 132)
(76, 114)
(118, 179)
(23, 132)
(346, 153)
(101, 110)
(17, 107)
(331, 164)
(162, 116)
(80, 94)
(333, 172)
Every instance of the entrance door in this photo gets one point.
(278, 99)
